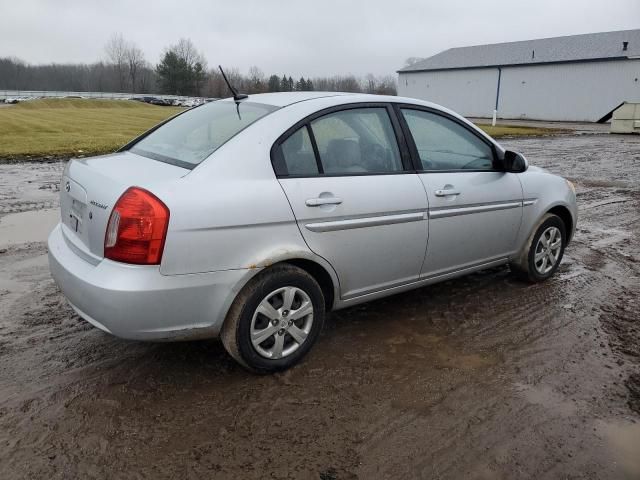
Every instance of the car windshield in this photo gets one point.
(191, 137)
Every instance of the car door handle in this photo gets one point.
(317, 202)
(447, 192)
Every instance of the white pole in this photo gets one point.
(493, 121)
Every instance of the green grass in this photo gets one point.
(518, 131)
(72, 127)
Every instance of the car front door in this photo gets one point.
(354, 196)
(475, 208)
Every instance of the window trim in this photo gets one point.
(403, 149)
(415, 156)
(314, 147)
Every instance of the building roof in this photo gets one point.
(574, 48)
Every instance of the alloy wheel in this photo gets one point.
(548, 250)
(281, 323)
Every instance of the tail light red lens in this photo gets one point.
(137, 228)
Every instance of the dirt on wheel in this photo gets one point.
(480, 377)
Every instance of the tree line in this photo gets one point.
(181, 70)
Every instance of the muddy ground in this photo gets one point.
(482, 377)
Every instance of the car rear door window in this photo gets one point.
(357, 141)
(296, 155)
(443, 144)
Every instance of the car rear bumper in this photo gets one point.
(138, 302)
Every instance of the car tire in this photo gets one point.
(543, 251)
(274, 305)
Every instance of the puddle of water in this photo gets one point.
(443, 355)
(25, 227)
(546, 397)
(411, 344)
(624, 442)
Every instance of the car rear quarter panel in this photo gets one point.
(230, 212)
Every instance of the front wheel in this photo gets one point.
(275, 319)
(543, 253)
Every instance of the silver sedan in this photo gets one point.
(249, 219)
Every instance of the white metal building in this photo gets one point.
(574, 78)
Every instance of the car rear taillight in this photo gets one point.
(137, 228)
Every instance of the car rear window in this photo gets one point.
(191, 137)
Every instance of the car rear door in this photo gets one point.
(354, 196)
(475, 208)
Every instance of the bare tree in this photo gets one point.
(348, 84)
(257, 82)
(214, 85)
(370, 83)
(135, 61)
(12, 73)
(236, 79)
(175, 76)
(147, 78)
(387, 85)
(94, 77)
(187, 51)
(116, 50)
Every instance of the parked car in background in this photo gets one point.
(161, 101)
(251, 219)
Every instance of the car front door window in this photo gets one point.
(443, 144)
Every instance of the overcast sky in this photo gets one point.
(299, 37)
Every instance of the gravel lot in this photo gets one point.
(482, 377)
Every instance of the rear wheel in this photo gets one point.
(543, 253)
(275, 319)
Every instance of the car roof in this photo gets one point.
(284, 99)
(329, 99)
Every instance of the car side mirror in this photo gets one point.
(514, 162)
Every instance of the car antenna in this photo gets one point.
(236, 96)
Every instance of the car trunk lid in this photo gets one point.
(91, 187)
